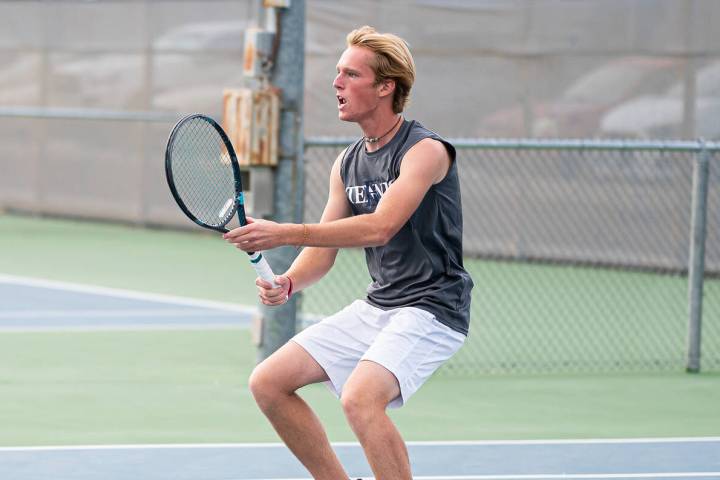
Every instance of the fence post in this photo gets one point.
(696, 267)
(277, 324)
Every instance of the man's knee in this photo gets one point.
(282, 374)
(265, 387)
(360, 408)
(367, 393)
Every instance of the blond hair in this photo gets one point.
(393, 61)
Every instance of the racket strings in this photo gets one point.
(202, 173)
(207, 180)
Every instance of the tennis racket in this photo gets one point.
(204, 178)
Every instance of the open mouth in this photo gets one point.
(341, 100)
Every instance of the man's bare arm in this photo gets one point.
(424, 164)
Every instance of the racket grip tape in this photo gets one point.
(262, 267)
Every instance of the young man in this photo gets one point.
(395, 192)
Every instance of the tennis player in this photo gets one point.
(394, 192)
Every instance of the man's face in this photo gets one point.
(355, 88)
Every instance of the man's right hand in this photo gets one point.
(274, 296)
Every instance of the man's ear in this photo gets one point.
(387, 87)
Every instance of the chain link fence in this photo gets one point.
(579, 252)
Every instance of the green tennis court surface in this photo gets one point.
(191, 386)
(132, 384)
(114, 379)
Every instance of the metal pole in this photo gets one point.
(696, 268)
(277, 324)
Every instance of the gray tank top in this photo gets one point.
(421, 266)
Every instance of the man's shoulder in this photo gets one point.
(417, 128)
(421, 137)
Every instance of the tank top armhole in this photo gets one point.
(349, 150)
(449, 147)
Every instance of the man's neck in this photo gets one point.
(380, 133)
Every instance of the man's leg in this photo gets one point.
(365, 397)
(273, 384)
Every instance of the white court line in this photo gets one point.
(580, 441)
(568, 476)
(94, 313)
(121, 293)
(574, 476)
(129, 327)
(576, 441)
(305, 319)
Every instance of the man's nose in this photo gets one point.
(337, 83)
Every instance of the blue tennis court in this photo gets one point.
(31, 304)
(668, 459)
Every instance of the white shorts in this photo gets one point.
(408, 341)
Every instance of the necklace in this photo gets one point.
(377, 139)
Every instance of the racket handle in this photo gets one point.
(262, 267)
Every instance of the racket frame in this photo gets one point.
(238, 201)
(256, 258)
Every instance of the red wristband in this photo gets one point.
(290, 290)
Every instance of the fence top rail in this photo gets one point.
(67, 113)
(460, 143)
(548, 144)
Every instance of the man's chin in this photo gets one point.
(344, 117)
